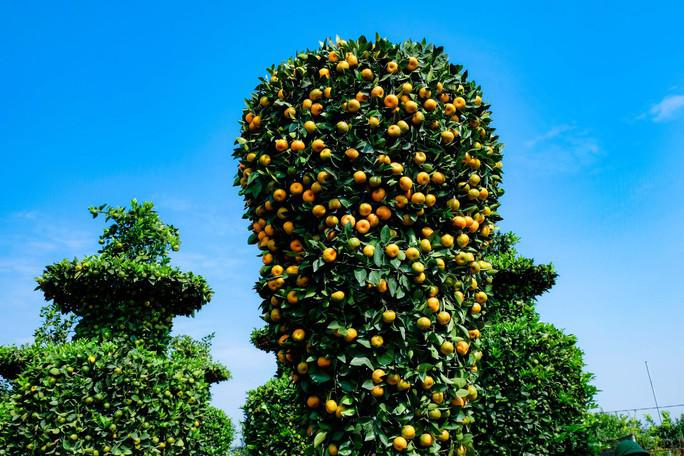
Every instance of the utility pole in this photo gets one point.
(660, 418)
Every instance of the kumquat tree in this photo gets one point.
(371, 175)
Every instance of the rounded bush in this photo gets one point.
(216, 433)
(535, 392)
(93, 398)
(371, 176)
(273, 423)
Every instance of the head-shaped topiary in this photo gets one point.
(371, 175)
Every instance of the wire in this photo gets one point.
(642, 408)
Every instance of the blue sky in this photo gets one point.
(103, 102)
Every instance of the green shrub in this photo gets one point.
(128, 291)
(216, 433)
(122, 386)
(273, 423)
(89, 396)
(535, 394)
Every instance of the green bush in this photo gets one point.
(128, 291)
(122, 386)
(535, 392)
(90, 397)
(273, 423)
(216, 433)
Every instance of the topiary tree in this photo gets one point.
(123, 386)
(371, 174)
(131, 275)
(216, 434)
(535, 393)
(273, 423)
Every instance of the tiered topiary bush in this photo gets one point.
(123, 386)
(371, 175)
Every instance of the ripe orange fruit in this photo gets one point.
(330, 406)
(298, 335)
(412, 63)
(313, 402)
(389, 316)
(363, 226)
(351, 335)
(428, 382)
(392, 250)
(332, 450)
(279, 195)
(408, 432)
(329, 255)
(462, 347)
(405, 183)
(367, 74)
(351, 153)
(447, 240)
(392, 67)
(399, 444)
(443, 318)
(459, 102)
(378, 194)
(426, 440)
(378, 391)
(423, 323)
(377, 341)
(447, 136)
(281, 145)
(411, 107)
(430, 104)
(391, 101)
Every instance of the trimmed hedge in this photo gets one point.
(216, 433)
(92, 397)
(536, 392)
(273, 423)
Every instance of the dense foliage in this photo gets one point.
(273, 423)
(371, 175)
(216, 433)
(91, 396)
(535, 392)
(122, 386)
(606, 429)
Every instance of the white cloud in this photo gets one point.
(667, 108)
(550, 134)
(561, 148)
